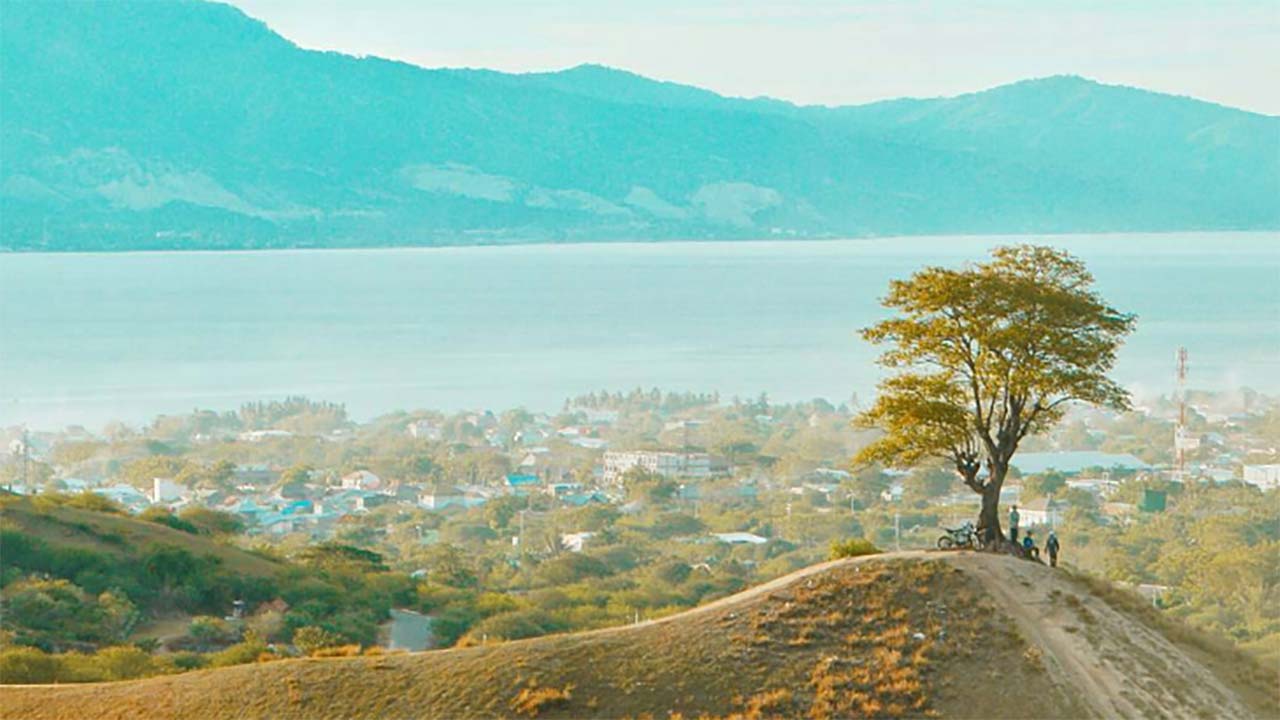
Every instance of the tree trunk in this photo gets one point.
(989, 516)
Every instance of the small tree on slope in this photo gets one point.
(983, 356)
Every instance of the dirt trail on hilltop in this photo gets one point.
(960, 634)
(1119, 668)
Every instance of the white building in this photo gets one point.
(257, 436)
(424, 430)
(362, 480)
(740, 538)
(1266, 477)
(164, 490)
(575, 542)
(1041, 512)
(667, 464)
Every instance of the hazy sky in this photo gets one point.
(823, 51)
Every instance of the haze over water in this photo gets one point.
(88, 338)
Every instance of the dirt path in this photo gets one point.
(1118, 667)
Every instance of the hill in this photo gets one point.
(185, 124)
(911, 634)
(123, 538)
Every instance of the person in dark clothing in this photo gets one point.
(1029, 547)
(1052, 546)
(1013, 525)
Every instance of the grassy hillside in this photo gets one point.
(121, 536)
(901, 635)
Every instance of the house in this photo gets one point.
(581, 499)
(362, 480)
(1097, 487)
(255, 475)
(275, 523)
(1041, 511)
(439, 497)
(424, 430)
(740, 538)
(521, 484)
(257, 436)
(664, 463)
(126, 495)
(164, 490)
(1264, 477)
(575, 542)
(563, 488)
(894, 492)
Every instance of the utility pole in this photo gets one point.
(897, 531)
(1181, 440)
(26, 463)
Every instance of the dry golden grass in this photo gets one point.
(884, 636)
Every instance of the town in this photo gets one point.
(640, 485)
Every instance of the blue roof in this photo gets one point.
(581, 499)
(517, 480)
(1075, 461)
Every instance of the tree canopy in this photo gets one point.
(986, 354)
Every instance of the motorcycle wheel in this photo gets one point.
(945, 543)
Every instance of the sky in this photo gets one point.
(830, 52)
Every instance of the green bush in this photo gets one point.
(853, 547)
(28, 665)
(309, 639)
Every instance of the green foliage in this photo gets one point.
(1045, 484)
(310, 638)
(516, 625)
(163, 516)
(851, 548)
(571, 568)
(208, 521)
(54, 613)
(337, 558)
(984, 355)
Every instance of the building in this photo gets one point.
(1266, 477)
(424, 430)
(1075, 462)
(740, 538)
(667, 464)
(362, 480)
(1041, 512)
(164, 490)
(439, 497)
(575, 542)
(522, 484)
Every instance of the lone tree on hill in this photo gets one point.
(983, 356)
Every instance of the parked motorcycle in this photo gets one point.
(965, 537)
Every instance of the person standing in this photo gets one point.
(1013, 525)
(1052, 546)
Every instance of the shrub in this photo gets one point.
(853, 547)
(532, 699)
(124, 662)
(28, 665)
(310, 640)
(240, 653)
(337, 651)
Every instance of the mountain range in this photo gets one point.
(184, 124)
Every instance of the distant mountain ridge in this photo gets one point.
(186, 124)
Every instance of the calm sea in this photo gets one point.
(86, 338)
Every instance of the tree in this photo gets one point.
(212, 522)
(310, 638)
(983, 356)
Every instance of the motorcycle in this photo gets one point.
(965, 536)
